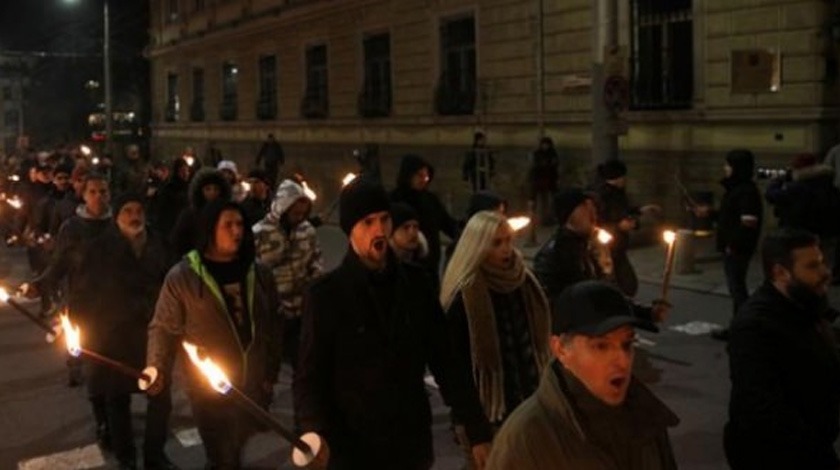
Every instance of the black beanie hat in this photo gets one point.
(124, 199)
(566, 201)
(359, 199)
(402, 213)
(612, 169)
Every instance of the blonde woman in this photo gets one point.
(498, 315)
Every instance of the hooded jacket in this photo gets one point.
(741, 198)
(292, 253)
(563, 426)
(806, 201)
(432, 215)
(171, 200)
(183, 235)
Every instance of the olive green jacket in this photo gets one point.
(549, 431)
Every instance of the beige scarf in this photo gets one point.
(484, 339)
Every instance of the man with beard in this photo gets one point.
(370, 329)
(115, 316)
(783, 362)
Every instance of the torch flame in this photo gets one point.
(669, 236)
(217, 378)
(348, 178)
(85, 150)
(518, 223)
(15, 202)
(4, 296)
(308, 191)
(246, 186)
(189, 159)
(14, 178)
(95, 160)
(72, 335)
(604, 237)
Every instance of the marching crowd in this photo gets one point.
(536, 364)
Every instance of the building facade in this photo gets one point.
(688, 80)
(12, 79)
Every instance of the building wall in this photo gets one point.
(659, 145)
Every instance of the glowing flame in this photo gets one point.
(14, 178)
(85, 150)
(189, 159)
(217, 378)
(604, 237)
(4, 296)
(15, 202)
(348, 178)
(518, 223)
(246, 186)
(669, 236)
(95, 160)
(72, 336)
(308, 191)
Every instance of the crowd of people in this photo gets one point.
(536, 364)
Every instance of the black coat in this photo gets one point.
(113, 302)
(432, 215)
(613, 207)
(741, 198)
(810, 201)
(785, 372)
(366, 341)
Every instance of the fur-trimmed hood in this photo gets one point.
(201, 179)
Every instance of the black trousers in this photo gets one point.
(735, 267)
(224, 429)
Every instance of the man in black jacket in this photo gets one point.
(739, 226)
(784, 366)
(370, 329)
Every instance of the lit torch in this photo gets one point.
(518, 223)
(348, 178)
(73, 338)
(6, 298)
(85, 150)
(14, 178)
(246, 187)
(603, 236)
(189, 159)
(308, 191)
(309, 449)
(670, 238)
(15, 202)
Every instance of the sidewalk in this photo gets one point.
(649, 262)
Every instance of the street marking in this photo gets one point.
(79, 458)
(188, 437)
(696, 328)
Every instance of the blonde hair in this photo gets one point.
(470, 252)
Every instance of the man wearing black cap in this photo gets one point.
(588, 413)
(574, 255)
(370, 329)
(407, 241)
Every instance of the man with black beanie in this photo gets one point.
(370, 329)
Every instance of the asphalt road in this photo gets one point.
(41, 419)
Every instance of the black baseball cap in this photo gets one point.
(593, 308)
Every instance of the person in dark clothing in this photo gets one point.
(413, 182)
(271, 158)
(208, 184)
(66, 208)
(132, 175)
(368, 160)
(783, 363)
(619, 217)
(543, 175)
(485, 201)
(114, 317)
(27, 221)
(173, 197)
(573, 254)
(498, 318)
(258, 202)
(213, 156)
(222, 300)
(370, 329)
(479, 165)
(159, 176)
(739, 220)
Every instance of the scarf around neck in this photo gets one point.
(484, 337)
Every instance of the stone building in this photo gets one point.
(693, 79)
(12, 77)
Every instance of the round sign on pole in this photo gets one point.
(616, 93)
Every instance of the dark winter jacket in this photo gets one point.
(31, 195)
(43, 220)
(479, 167)
(171, 200)
(114, 300)
(810, 201)
(566, 259)
(432, 215)
(271, 153)
(183, 235)
(132, 176)
(63, 210)
(613, 207)
(741, 198)
(255, 209)
(367, 339)
(544, 172)
(785, 398)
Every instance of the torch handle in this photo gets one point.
(666, 277)
(25, 312)
(115, 365)
(266, 418)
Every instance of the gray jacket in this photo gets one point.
(191, 307)
(549, 431)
